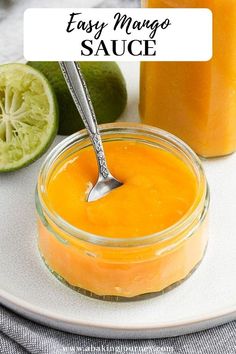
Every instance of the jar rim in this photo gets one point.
(199, 206)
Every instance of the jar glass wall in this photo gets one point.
(122, 268)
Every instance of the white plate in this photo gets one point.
(206, 299)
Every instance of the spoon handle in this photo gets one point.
(79, 92)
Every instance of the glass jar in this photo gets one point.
(196, 100)
(122, 268)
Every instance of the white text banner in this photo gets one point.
(117, 34)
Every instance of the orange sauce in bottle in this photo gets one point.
(196, 100)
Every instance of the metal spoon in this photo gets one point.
(78, 89)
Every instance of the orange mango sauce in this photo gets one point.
(159, 189)
(196, 100)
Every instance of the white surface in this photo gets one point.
(207, 298)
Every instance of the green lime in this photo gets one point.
(106, 86)
(28, 116)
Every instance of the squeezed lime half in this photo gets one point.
(28, 116)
